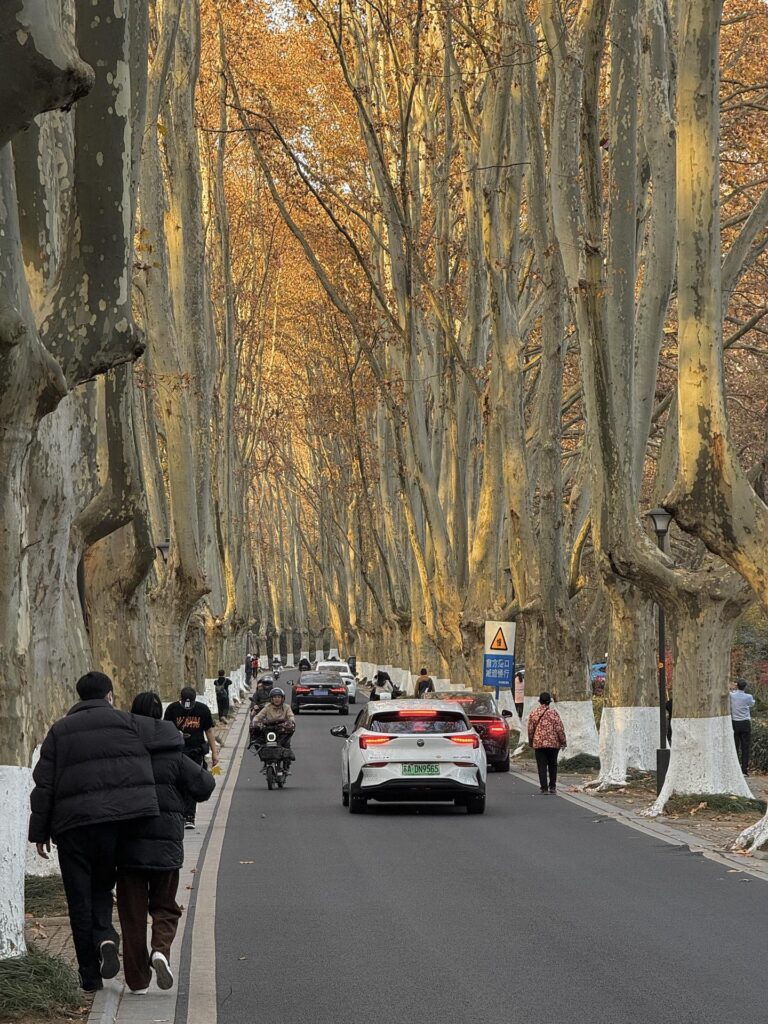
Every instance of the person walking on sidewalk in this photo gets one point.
(424, 684)
(741, 719)
(94, 772)
(223, 684)
(546, 736)
(151, 853)
(194, 721)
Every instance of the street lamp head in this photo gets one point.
(661, 520)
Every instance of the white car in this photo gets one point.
(342, 668)
(412, 750)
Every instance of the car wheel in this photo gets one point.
(476, 805)
(343, 711)
(344, 797)
(502, 766)
(353, 700)
(296, 710)
(357, 804)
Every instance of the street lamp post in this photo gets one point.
(661, 520)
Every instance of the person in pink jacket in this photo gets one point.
(546, 736)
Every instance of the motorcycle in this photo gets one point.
(274, 756)
(277, 668)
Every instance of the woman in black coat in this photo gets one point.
(150, 854)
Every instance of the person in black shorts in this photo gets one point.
(194, 721)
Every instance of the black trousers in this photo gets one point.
(546, 761)
(190, 804)
(87, 857)
(742, 737)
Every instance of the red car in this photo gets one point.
(488, 722)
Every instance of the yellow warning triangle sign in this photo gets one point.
(499, 641)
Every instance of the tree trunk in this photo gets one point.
(703, 756)
(629, 727)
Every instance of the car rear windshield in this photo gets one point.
(418, 722)
(335, 668)
(473, 703)
(317, 680)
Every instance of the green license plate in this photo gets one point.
(421, 769)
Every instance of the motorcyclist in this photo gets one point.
(263, 689)
(304, 665)
(277, 715)
(381, 684)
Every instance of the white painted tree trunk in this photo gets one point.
(37, 865)
(629, 727)
(755, 837)
(580, 729)
(14, 797)
(703, 760)
(628, 739)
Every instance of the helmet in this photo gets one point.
(276, 692)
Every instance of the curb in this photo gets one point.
(668, 834)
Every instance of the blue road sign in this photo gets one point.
(498, 671)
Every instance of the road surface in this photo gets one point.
(537, 912)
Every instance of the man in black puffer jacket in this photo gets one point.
(151, 852)
(94, 772)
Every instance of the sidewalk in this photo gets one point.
(711, 833)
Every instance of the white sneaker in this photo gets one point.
(139, 991)
(189, 825)
(162, 970)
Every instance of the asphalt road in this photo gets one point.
(536, 912)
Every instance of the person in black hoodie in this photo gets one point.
(94, 772)
(151, 852)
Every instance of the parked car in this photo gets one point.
(488, 720)
(412, 750)
(341, 668)
(597, 675)
(320, 691)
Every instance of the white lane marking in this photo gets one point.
(201, 1005)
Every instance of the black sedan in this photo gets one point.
(488, 721)
(318, 691)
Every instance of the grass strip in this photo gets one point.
(38, 985)
(721, 803)
(44, 897)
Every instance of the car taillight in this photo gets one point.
(498, 729)
(473, 741)
(374, 741)
(491, 726)
(338, 689)
(301, 689)
(417, 714)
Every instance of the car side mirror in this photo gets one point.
(339, 730)
(506, 713)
